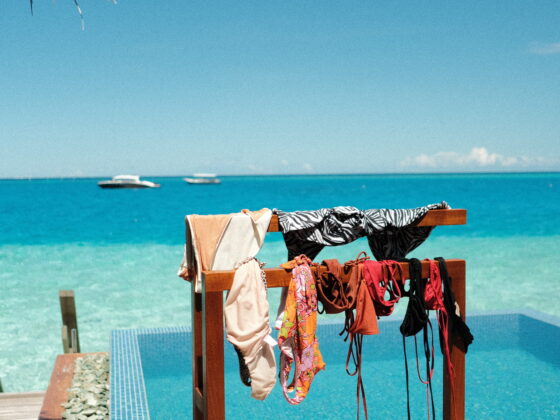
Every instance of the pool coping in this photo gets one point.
(61, 380)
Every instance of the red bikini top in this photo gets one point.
(382, 277)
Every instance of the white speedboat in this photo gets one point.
(127, 181)
(203, 179)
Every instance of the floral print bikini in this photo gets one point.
(297, 340)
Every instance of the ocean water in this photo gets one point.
(119, 250)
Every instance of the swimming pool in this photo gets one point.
(513, 372)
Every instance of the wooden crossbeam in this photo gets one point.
(218, 281)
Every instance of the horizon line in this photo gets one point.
(29, 178)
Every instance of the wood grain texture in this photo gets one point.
(454, 406)
(20, 405)
(440, 217)
(213, 355)
(69, 318)
(215, 281)
(197, 368)
(61, 380)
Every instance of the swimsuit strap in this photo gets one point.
(362, 256)
(421, 290)
(416, 319)
(462, 337)
(380, 277)
(356, 339)
(354, 269)
(355, 352)
(451, 322)
(393, 268)
(435, 301)
(331, 292)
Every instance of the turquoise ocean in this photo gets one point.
(119, 250)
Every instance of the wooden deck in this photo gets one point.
(21, 405)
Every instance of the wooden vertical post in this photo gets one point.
(213, 354)
(197, 367)
(69, 320)
(454, 406)
(208, 355)
(65, 340)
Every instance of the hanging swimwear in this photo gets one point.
(461, 336)
(337, 296)
(248, 329)
(363, 323)
(433, 299)
(218, 242)
(416, 319)
(382, 277)
(391, 234)
(296, 340)
(227, 242)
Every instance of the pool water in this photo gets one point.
(513, 372)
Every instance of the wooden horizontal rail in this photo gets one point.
(440, 217)
(217, 281)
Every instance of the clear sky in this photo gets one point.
(245, 87)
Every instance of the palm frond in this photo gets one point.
(77, 8)
(81, 14)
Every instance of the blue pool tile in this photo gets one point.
(155, 365)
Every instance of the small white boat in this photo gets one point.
(203, 179)
(127, 181)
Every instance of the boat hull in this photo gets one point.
(196, 181)
(122, 185)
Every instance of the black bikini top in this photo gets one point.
(416, 316)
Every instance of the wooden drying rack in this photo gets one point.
(208, 328)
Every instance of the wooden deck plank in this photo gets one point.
(21, 405)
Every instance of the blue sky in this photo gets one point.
(246, 87)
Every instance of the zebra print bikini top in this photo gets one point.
(390, 232)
